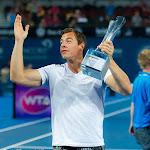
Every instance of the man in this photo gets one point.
(77, 100)
(140, 106)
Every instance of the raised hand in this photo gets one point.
(19, 32)
(107, 47)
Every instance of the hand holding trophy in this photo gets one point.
(96, 63)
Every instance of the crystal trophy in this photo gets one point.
(96, 63)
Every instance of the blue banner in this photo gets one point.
(41, 52)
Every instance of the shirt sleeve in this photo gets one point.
(147, 89)
(132, 98)
(45, 72)
(108, 73)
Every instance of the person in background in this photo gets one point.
(4, 74)
(140, 106)
(110, 10)
(71, 19)
(11, 16)
(77, 100)
(136, 20)
(145, 6)
(33, 8)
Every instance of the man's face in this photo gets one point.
(69, 47)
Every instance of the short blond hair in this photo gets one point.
(144, 58)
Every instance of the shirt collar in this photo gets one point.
(70, 72)
(141, 73)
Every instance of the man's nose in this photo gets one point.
(63, 45)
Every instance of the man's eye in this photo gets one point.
(68, 41)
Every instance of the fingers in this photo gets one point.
(131, 130)
(27, 29)
(107, 47)
(132, 133)
(18, 19)
(106, 44)
(17, 22)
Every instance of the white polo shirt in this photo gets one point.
(77, 102)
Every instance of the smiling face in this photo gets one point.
(69, 47)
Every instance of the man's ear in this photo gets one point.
(82, 45)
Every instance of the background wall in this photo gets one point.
(41, 52)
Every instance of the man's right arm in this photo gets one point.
(17, 73)
(131, 130)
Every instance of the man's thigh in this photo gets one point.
(143, 137)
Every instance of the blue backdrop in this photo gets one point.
(41, 52)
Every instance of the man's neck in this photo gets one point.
(147, 70)
(75, 67)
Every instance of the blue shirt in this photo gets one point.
(141, 100)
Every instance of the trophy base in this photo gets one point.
(95, 64)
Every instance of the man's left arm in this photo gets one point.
(147, 90)
(118, 81)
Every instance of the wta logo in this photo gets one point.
(36, 100)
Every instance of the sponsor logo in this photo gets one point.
(36, 100)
